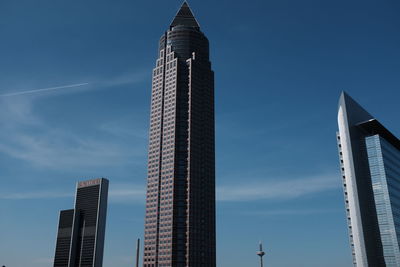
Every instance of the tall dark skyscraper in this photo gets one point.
(370, 163)
(81, 231)
(180, 207)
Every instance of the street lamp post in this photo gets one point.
(261, 253)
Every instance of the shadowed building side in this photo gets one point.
(81, 231)
(64, 235)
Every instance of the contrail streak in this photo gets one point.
(44, 89)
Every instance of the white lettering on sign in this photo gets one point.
(89, 183)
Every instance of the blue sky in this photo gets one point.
(280, 67)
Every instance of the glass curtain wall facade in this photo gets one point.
(384, 162)
(180, 206)
(81, 231)
(64, 234)
(370, 163)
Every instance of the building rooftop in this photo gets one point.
(373, 127)
(185, 17)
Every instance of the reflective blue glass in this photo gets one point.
(384, 163)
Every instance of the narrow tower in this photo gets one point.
(261, 253)
(180, 207)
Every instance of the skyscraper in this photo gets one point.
(370, 163)
(180, 207)
(81, 231)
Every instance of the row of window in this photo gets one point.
(165, 212)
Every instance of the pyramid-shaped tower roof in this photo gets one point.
(185, 17)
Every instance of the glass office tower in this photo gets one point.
(180, 207)
(370, 163)
(63, 245)
(81, 231)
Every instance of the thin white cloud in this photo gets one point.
(127, 193)
(119, 260)
(61, 150)
(277, 189)
(288, 212)
(269, 190)
(34, 195)
(119, 193)
(35, 91)
(44, 260)
(126, 78)
(129, 77)
(27, 136)
(126, 128)
(16, 112)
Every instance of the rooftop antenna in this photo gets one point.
(261, 253)
(137, 252)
